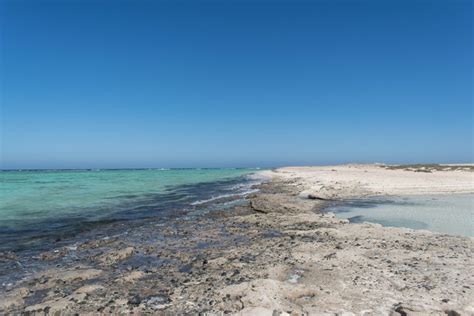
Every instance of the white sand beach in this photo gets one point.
(372, 179)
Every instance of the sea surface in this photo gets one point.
(451, 214)
(38, 207)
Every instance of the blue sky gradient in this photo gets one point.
(96, 84)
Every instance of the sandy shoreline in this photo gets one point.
(275, 256)
(360, 180)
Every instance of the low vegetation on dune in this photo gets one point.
(429, 167)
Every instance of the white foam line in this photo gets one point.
(214, 198)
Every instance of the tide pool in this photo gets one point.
(451, 214)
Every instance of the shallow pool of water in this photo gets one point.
(451, 214)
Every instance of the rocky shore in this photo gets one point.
(275, 255)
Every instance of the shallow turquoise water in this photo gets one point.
(35, 202)
(451, 214)
(42, 194)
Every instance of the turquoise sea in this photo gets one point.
(43, 204)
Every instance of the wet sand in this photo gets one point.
(276, 255)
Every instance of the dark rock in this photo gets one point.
(247, 258)
(135, 300)
(187, 268)
(400, 310)
(314, 197)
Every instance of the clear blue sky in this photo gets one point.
(235, 83)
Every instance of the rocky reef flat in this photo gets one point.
(275, 255)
